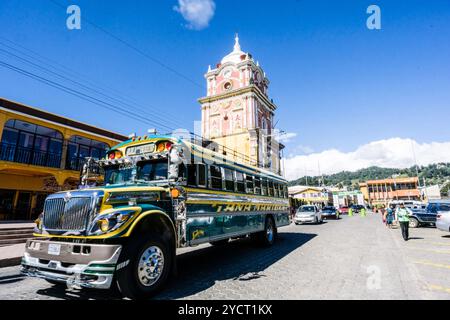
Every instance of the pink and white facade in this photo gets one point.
(237, 112)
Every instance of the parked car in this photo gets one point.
(357, 208)
(443, 221)
(343, 210)
(330, 212)
(308, 214)
(420, 216)
(442, 210)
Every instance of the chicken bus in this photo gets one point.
(158, 193)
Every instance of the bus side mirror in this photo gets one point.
(176, 158)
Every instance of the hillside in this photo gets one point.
(433, 174)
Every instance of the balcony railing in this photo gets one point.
(75, 163)
(30, 156)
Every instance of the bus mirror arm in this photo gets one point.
(175, 159)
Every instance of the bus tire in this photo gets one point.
(267, 237)
(219, 242)
(148, 267)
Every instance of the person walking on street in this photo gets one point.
(403, 218)
(390, 215)
(363, 212)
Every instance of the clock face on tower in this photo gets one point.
(227, 73)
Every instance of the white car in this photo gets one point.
(443, 221)
(308, 214)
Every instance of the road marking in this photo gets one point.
(432, 264)
(438, 243)
(439, 288)
(430, 250)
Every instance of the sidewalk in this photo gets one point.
(16, 225)
(11, 255)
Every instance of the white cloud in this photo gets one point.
(198, 13)
(390, 153)
(285, 137)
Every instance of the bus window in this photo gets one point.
(192, 175)
(271, 188)
(201, 173)
(257, 185)
(264, 186)
(249, 182)
(216, 177)
(196, 175)
(229, 180)
(275, 189)
(285, 190)
(240, 182)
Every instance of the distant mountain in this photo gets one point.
(433, 174)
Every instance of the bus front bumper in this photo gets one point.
(77, 265)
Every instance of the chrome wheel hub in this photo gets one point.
(151, 265)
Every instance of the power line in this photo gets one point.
(139, 51)
(82, 95)
(121, 100)
(101, 103)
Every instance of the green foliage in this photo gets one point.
(438, 173)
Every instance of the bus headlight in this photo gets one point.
(105, 223)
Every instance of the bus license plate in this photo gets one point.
(54, 249)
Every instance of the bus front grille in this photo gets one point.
(72, 214)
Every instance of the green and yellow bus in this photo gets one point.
(158, 193)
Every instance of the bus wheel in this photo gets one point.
(267, 237)
(147, 263)
(219, 243)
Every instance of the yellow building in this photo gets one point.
(363, 187)
(41, 153)
(304, 195)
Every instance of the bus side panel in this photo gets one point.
(282, 219)
(204, 228)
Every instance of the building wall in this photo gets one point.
(237, 112)
(22, 183)
(384, 191)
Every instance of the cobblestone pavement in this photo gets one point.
(353, 258)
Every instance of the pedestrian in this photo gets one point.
(403, 218)
(390, 216)
(363, 212)
(350, 212)
(383, 214)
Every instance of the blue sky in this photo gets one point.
(338, 85)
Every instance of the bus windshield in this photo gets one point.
(146, 171)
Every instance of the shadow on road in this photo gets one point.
(198, 270)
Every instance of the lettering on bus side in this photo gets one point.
(247, 208)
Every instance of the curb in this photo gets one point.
(10, 262)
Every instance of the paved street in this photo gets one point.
(354, 258)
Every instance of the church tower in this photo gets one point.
(237, 112)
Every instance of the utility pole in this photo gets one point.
(320, 174)
(306, 176)
(415, 161)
